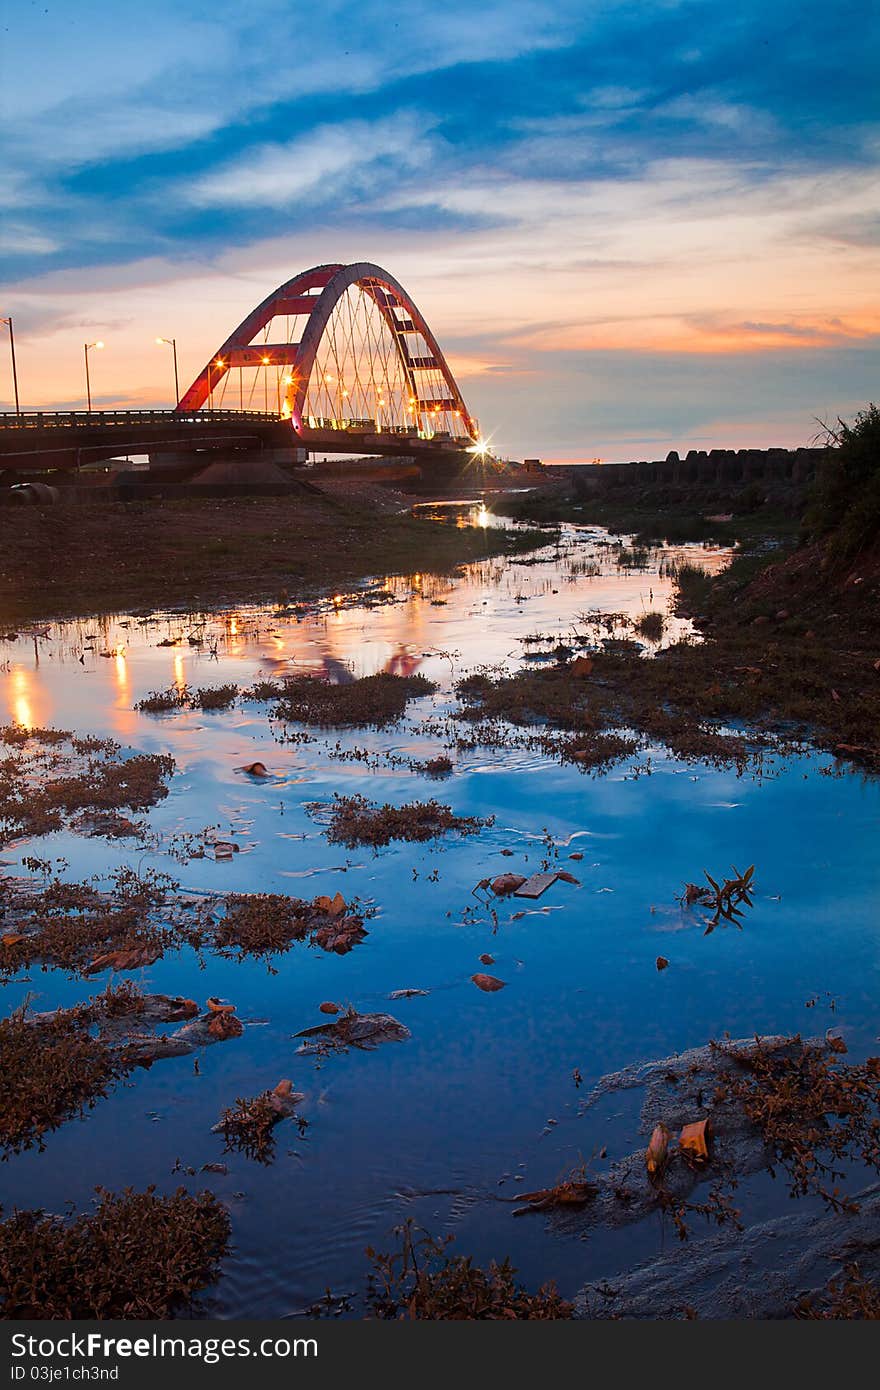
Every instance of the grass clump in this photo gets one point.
(50, 780)
(370, 701)
(357, 821)
(137, 1256)
(206, 698)
(651, 625)
(419, 1281)
(814, 1113)
(51, 1069)
(77, 926)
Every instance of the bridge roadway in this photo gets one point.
(71, 439)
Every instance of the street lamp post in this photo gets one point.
(172, 343)
(87, 347)
(8, 323)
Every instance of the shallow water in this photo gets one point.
(442, 1126)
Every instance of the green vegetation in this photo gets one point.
(843, 508)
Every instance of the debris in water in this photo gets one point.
(488, 983)
(363, 1031)
(248, 1126)
(536, 885)
(662, 962)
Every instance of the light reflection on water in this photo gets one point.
(429, 1127)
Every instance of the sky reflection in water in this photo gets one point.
(430, 1127)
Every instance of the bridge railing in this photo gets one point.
(76, 419)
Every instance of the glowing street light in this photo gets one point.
(87, 347)
(172, 343)
(8, 323)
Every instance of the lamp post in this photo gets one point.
(172, 343)
(218, 363)
(87, 347)
(8, 323)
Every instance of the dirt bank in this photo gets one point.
(109, 556)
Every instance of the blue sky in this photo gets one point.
(633, 226)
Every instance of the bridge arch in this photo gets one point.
(331, 306)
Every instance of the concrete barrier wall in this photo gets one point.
(715, 467)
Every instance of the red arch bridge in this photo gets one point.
(338, 360)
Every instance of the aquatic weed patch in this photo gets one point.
(51, 779)
(206, 698)
(51, 1069)
(368, 702)
(261, 924)
(814, 1112)
(249, 1125)
(356, 821)
(138, 1255)
(81, 927)
(420, 1281)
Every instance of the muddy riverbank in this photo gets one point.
(67, 561)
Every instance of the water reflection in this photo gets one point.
(429, 1128)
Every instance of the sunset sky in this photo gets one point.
(632, 226)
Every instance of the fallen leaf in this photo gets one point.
(216, 1007)
(486, 959)
(566, 877)
(488, 983)
(130, 958)
(11, 938)
(254, 769)
(662, 962)
(334, 907)
(835, 1043)
(328, 1008)
(692, 1141)
(657, 1150)
(576, 855)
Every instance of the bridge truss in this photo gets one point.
(340, 350)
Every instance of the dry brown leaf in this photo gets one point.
(334, 906)
(662, 962)
(692, 1141)
(328, 1008)
(566, 877)
(11, 938)
(657, 1150)
(488, 983)
(254, 769)
(486, 959)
